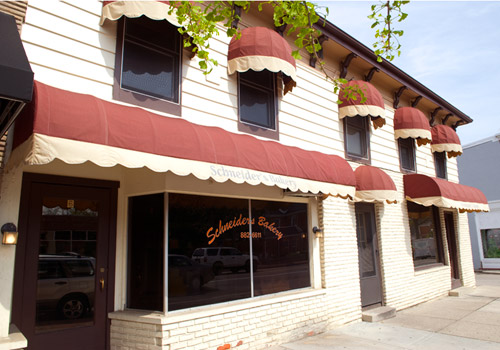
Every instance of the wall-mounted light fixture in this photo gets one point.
(9, 232)
(317, 231)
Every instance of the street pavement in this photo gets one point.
(470, 321)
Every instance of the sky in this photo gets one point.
(452, 47)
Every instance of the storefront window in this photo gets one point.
(211, 258)
(491, 243)
(425, 241)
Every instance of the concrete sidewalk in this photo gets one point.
(469, 321)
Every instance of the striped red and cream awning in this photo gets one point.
(445, 139)
(411, 122)
(157, 10)
(261, 48)
(353, 105)
(427, 191)
(374, 185)
(77, 128)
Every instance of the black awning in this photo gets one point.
(16, 76)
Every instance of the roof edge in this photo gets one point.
(338, 35)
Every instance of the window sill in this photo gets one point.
(360, 160)
(420, 270)
(259, 131)
(152, 317)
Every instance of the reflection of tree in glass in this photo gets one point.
(68, 211)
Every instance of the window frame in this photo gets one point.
(366, 139)
(441, 163)
(413, 160)
(312, 253)
(253, 129)
(438, 237)
(137, 98)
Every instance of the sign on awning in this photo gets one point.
(78, 128)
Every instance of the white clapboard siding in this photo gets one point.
(91, 6)
(103, 38)
(201, 117)
(316, 122)
(304, 144)
(216, 97)
(226, 84)
(68, 47)
(63, 80)
(68, 12)
(203, 104)
(72, 65)
(290, 136)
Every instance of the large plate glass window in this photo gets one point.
(211, 258)
(427, 246)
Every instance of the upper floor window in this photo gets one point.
(258, 103)
(407, 154)
(147, 69)
(440, 164)
(357, 138)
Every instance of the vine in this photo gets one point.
(200, 22)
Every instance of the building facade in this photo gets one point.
(161, 208)
(475, 168)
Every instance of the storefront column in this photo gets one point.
(10, 195)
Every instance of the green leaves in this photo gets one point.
(201, 21)
(384, 15)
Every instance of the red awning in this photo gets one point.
(445, 139)
(374, 185)
(411, 122)
(77, 128)
(352, 105)
(427, 191)
(157, 10)
(261, 48)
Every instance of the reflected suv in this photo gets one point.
(224, 258)
(66, 285)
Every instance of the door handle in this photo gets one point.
(101, 282)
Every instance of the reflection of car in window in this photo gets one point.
(186, 275)
(222, 258)
(66, 285)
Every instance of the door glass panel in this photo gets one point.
(365, 245)
(66, 264)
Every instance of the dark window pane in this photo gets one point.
(356, 136)
(423, 235)
(407, 153)
(256, 98)
(145, 281)
(158, 34)
(209, 232)
(151, 52)
(79, 235)
(66, 280)
(280, 246)
(491, 243)
(440, 164)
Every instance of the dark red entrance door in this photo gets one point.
(65, 263)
